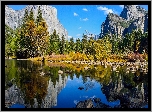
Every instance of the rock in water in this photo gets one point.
(85, 104)
(88, 103)
(81, 88)
(9, 84)
(81, 104)
(97, 100)
(60, 72)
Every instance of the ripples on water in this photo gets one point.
(37, 85)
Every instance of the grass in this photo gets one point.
(83, 57)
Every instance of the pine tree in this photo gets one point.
(84, 43)
(54, 42)
(78, 45)
(62, 45)
(39, 17)
(31, 15)
(25, 19)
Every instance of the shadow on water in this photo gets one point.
(49, 85)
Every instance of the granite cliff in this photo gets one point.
(13, 18)
(132, 17)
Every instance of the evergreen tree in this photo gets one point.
(54, 42)
(71, 43)
(84, 43)
(78, 45)
(39, 17)
(62, 45)
(25, 19)
(31, 15)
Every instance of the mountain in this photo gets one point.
(13, 18)
(131, 18)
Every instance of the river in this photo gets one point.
(48, 85)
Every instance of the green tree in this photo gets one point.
(71, 44)
(84, 43)
(25, 19)
(54, 42)
(31, 15)
(39, 17)
(62, 45)
(78, 45)
(10, 42)
(67, 47)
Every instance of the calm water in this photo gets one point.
(37, 85)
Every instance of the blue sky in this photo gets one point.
(78, 18)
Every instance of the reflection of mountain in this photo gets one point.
(51, 98)
(14, 95)
(119, 90)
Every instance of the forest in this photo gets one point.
(32, 40)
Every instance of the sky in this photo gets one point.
(78, 18)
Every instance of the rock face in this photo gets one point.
(131, 18)
(13, 18)
(132, 12)
(113, 24)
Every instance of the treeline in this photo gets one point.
(32, 39)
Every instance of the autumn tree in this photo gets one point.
(42, 38)
(102, 48)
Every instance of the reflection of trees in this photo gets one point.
(11, 72)
(44, 90)
(54, 76)
(125, 91)
(33, 86)
(89, 85)
(35, 89)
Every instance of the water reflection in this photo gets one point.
(49, 85)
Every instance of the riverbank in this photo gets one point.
(83, 59)
(86, 65)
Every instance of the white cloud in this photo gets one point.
(105, 9)
(79, 27)
(78, 35)
(86, 19)
(69, 37)
(75, 14)
(74, 39)
(122, 6)
(85, 9)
